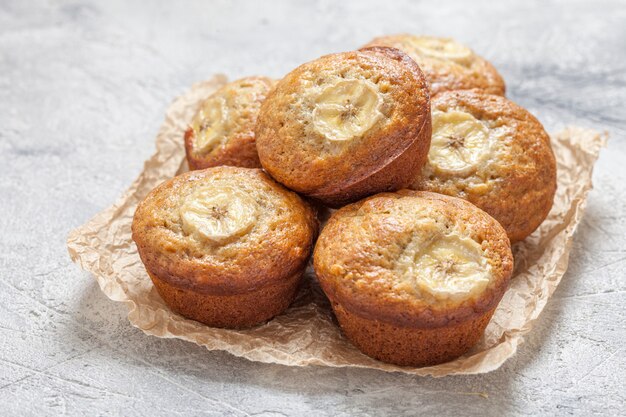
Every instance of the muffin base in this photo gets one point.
(411, 346)
(230, 311)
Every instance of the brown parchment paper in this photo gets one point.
(307, 334)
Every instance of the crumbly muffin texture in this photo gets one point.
(223, 230)
(222, 131)
(447, 64)
(413, 259)
(493, 153)
(339, 119)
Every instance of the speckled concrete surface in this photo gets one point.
(83, 87)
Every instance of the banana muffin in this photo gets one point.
(222, 131)
(413, 277)
(226, 246)
(493, 153)
(347, 125)
(447, 64)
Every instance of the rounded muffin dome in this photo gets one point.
(222, 131)
(493, 153)
(346, 125)
(413, 277)
(226, 246)
(447, 64)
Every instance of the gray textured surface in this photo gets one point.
(83, 87)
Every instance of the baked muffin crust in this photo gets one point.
(393, 257)
(493, 153)
(346, 125)
(413, 277)
(447, 64)
(222, 131)
(218, 237)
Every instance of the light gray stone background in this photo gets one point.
(83, 89)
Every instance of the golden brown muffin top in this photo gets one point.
(413, 258)
(334, 121)
(490, 151)
(447, 64)
(226, 117)
(223, 230)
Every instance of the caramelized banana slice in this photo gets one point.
(219, 214)
(459, 143)
(347, 109)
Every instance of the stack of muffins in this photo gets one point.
(433, 172)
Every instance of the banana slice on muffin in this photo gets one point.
(347, 109)
(447, 64)
(493, 153)
(226, 246)
(222, 131)
(347, 125)
(413, 277)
